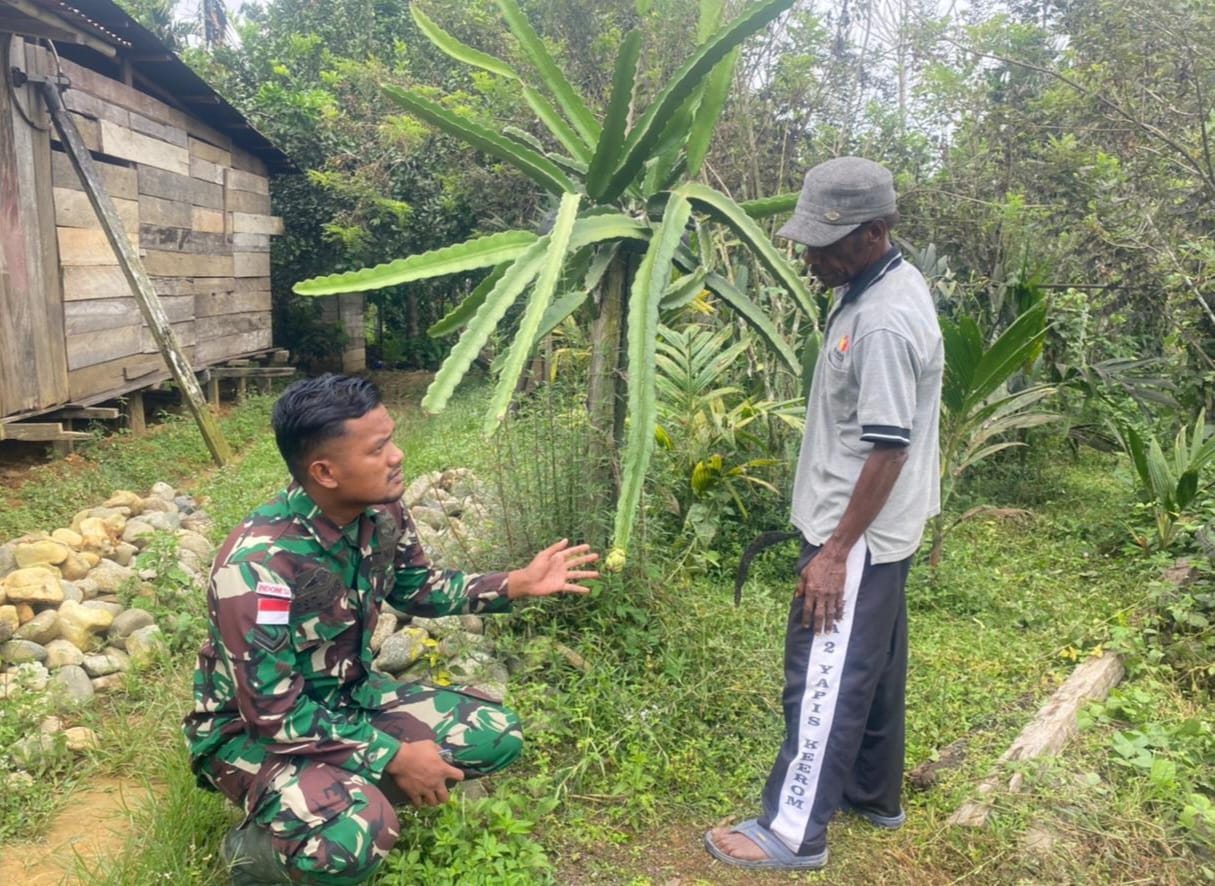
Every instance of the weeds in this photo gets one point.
(485, 842)
(652, 708)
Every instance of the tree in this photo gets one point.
(623, 224)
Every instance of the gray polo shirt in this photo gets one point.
(878, 378)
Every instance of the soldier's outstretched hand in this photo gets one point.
(555, 570)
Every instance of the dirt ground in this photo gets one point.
(94, 825)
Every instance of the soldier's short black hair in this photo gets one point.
(314, 410)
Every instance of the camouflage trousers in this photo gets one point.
(333, 826)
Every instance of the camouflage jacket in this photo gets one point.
(293, 601)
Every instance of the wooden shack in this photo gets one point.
(190, 179)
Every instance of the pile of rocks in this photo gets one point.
(452, 649)
(64, 627)
(67, 633)
(454, 514)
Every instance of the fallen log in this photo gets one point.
(1053, 726)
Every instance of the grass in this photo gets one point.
(675, 720)
(172, 451)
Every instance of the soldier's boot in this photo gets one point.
(249, 854)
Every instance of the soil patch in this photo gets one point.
(93, 825)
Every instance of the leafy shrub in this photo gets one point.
(1170, 483)
(466, 842)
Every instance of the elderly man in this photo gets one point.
(867, 480)
(290, 722)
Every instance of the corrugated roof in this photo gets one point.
(157, 63)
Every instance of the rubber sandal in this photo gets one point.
(780, 857)
(885, 822)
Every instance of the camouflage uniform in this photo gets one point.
(289, 720)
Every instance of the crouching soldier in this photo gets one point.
(289, 720)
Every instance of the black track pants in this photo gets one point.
(844, 707)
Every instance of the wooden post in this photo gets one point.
(137, 277)
(213, 391)
(136, 418)
(61, 449)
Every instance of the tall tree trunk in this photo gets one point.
(606, 395)
(413, 321)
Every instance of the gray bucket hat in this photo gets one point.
(838, 197)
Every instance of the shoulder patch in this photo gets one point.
(318, 590)
(266, 589)
(269, 640)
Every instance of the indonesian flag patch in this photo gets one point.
(273, 611)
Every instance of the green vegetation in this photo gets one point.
(48, 495)
(625, 201)
(672, 723)
(623, 163)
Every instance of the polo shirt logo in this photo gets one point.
(837, 352)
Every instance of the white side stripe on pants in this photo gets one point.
(824, 669)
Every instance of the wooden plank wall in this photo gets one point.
(33, 372)
(197, 206)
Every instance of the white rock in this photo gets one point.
(124, 498)
(70, 686)
(197, 522)
(61, 653)
(420, 488)
(146, 644)
(34, 751)
(438, 627)
(475, 666)
(109, 683)
(22, 651)
(50, 725)
(454, 645)
(163, 521)
(18, 781)
(188, 540)
(78, 622)
(190, 562)
(8, 560)
(42, 629)
(138, 533)
(88, 587)
(129, 621)
(124, 552)
(71, 591)
(163, 491)
(432, 518)
(105, 604)
(33, 585)
(110, 577)
(401, 650)
(384, 628)
(81, 739)
(109, 661)
(33, 676)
